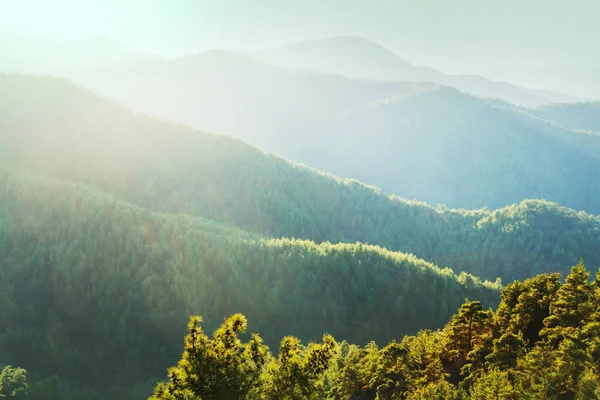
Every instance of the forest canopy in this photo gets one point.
(541, 343)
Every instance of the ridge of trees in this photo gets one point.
(51, 128)
(111, 284)
(542, 343)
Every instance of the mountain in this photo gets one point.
(420, 141)
(354, 57)
(115, 227)
(79, 137)
(58, 54)
(111, 285)
(579, 116)
(364, 59)
(227, 92)
(442, 146)
(96, 250)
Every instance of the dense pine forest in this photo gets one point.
(541, 343)
(111, 285)
(116, 227)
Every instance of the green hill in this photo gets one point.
(110, 285)
(54, 129)
(541, 343)
(115, 227)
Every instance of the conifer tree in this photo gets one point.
(572, 307)
(218, 368)
(494, 385)
(469, 327)
(296, 373)
(13, 383)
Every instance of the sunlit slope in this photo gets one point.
(223, 91)
(417, 140)
(111, 285)
(51, 128)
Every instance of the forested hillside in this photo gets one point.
(111, 285)
(419, 141)
(79, 137)
(318, 220)
(115, 227)
(443, 146)
(541, 343)
(582, 116)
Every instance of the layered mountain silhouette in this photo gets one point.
(55, 130)
(139, 223)
(417, 140)
(364, 59)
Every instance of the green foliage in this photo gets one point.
(13, 383)
(74, 252)
(467, 329)
(571, 308)
(495, 384)
(218, 368)
(497, 363)
(109, 244)
(442, 390)
(486, 355)
(168, 168)
(225, 368)
(589, 386)
(296, 373)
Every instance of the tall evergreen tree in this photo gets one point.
(218, 368)
(572, 307)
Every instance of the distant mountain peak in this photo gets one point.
(357, 42)
(361, 58)
(349, 46)
(353, 56)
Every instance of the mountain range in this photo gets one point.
(417, 140)
(126, 206)
(361, 58)
(140, 223)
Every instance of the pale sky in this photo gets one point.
(461, 36)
